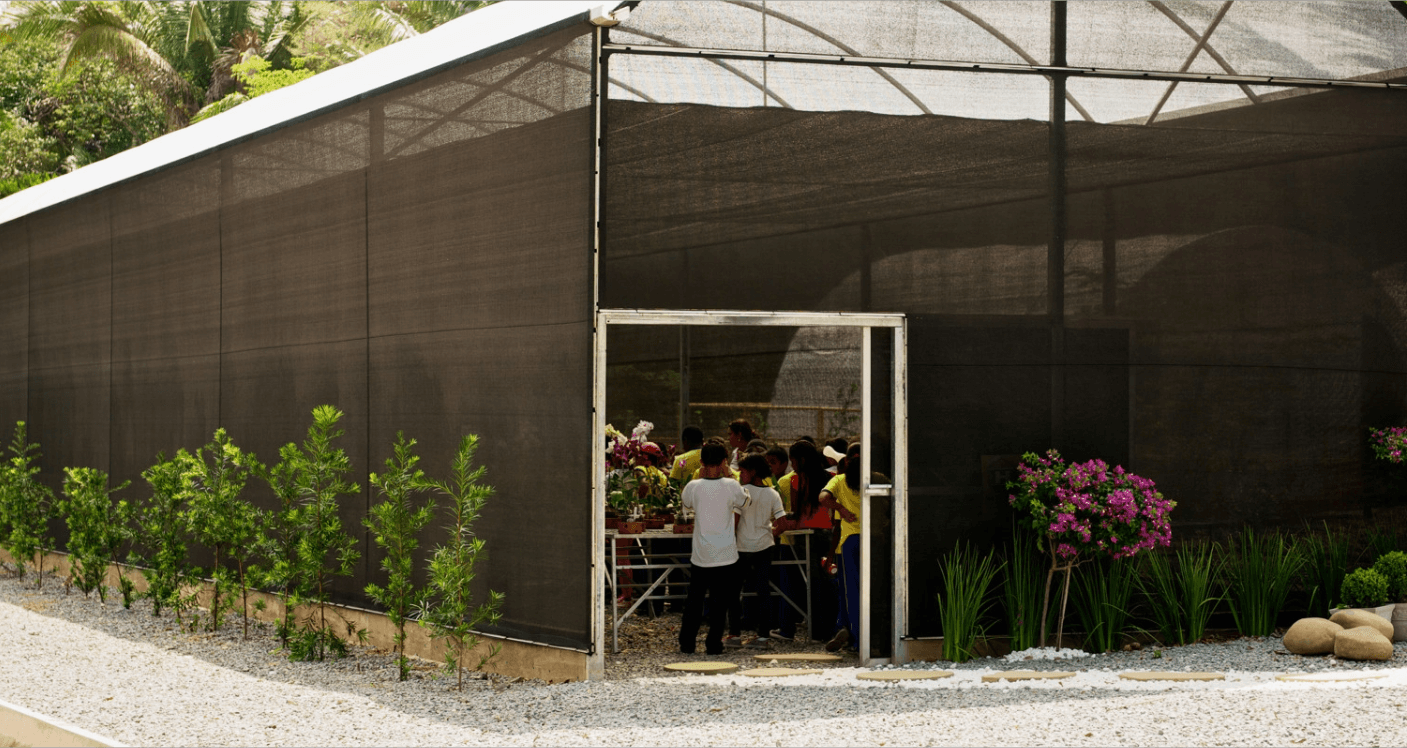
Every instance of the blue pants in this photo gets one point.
(848, 589)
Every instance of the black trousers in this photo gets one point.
(755, 572)
(720, 585)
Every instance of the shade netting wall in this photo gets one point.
(420, 259)
(1229, 318)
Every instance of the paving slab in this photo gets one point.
(799, 657)
(1015, 675)
(778, 672)
(708, 668)
(1174, 675)
(1327, 677)
(897, 675)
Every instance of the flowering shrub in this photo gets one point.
(1089, 508)
(1389, 444)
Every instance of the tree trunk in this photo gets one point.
(1064, 598)
(1045, 600)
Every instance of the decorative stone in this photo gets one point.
(1015, 675)
(1353, 618)
(1327, 677)
(1171, 675)
(895, 675)
(777, 672)
(707, 668)
(1312, 636)
(1362, 643)
(799, 657)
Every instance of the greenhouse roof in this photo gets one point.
(455, 42)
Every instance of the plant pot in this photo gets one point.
(666, 518)
(1383, 611)
(1399, 622)
(632, 528)
(613, 523)
(683, 529)
(654, 523)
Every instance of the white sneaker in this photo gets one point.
(760, 642)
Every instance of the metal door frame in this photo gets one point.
(898, 490)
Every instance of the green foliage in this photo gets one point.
(97, 526)
(396, 523)
(964, 602)
(27, 504)
(1260, 571)
(1381, 541)
(1103, 589)
(1326, 562)
(1364, 588)
(314, 547)
(1023, 590)
(161, 532)
(1182, 597)
(1393, 567)
(256, 79)
(28, 151)
(283, 534)
(212, 478)
(448, 610)
(23, 182)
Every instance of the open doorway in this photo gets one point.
(790, 375)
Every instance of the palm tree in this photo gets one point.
(176, 48)
(387, 22)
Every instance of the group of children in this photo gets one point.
(741, 506)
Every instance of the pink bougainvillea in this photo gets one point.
(1088, 507)
(1389, 444)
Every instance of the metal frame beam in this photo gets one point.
(994, 67)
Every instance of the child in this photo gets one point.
(715, 500)
(755, 549)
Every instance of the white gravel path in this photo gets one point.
(125, 675)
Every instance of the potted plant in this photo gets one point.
(1393, 568)
(1366, 590)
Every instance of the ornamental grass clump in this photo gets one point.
(26, 503)
(1022, 591)
(1260, 571)
(1087, 510)
(964, 604)
(1103, 590)
(1180, 590)
(1364, 588)
(1325, 563)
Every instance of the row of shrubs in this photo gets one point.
(197, 499)
(1171, 593)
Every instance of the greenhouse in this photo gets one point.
(1156, 233)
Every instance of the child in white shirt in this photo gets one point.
(715, 500)
(755, 543)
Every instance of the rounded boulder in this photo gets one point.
(1356, 618)
(1362, 643)
(1312, 636)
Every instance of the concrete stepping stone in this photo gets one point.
(1327, 677)
(1015, 675)
(778, 672)
(897, 675)
(1147, 675)
(798, 657)
(707, 668)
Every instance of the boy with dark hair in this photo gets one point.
(755, 549)
(715, 499)
(688, 461)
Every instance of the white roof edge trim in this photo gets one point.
(451, 43)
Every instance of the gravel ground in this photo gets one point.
(140, 681)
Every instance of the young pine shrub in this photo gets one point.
(964, 603)
(1365, 588)
(161, 532)
(218, 517)
(282, 534)
(324, 550)
(395, 523)
(1103, 591)
(97, 527)
(28, 504)
(1260, 571)
(1393, 567)
(1326, 562)
(1025, 572)
(1179, 590)
(448, 610)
